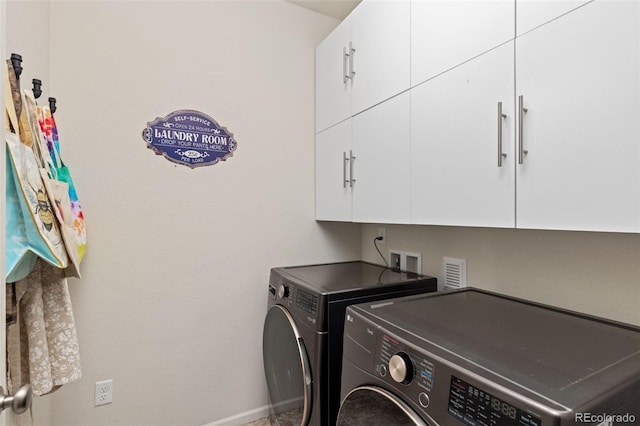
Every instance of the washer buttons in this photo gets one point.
(383, 370)
(423, 399)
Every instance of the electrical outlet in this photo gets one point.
(104, 392)
(396, 259)
(381, 234)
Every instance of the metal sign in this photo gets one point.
(190, 138)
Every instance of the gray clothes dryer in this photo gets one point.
(303, 331)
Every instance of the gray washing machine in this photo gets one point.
(473, 357)
(302, 339)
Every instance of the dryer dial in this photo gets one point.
(401, 368)
(283, 291)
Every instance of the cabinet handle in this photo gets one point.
(521, 111)
(345, 55)
(501, 117)
(345, 160)
(353, 159)
(347, 75)
(352, 51)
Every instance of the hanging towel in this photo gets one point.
(43, 345)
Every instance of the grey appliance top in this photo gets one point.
(560, 354)
(343, 277)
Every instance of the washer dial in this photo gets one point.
(401, 368)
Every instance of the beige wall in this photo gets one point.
(596, 273)
(174, 287)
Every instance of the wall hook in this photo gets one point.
(52, 105)
(16, 61)
(37, 88)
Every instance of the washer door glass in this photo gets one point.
(286, 366)
(369, 405)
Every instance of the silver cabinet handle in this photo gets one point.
(347, 75)
(345, 55)
(352, 51)
(353, 159)
(20, 402)
(521, 111)
(501, 117)
(345, 160)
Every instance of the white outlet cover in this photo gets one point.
(103, 392)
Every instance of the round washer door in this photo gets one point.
(370, 405)
(286, 367)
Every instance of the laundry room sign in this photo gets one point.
(190, 138)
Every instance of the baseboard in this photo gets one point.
(242, 418)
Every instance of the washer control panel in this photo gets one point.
(401, 366)
(405, 364)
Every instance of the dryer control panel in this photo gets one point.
(301, 303)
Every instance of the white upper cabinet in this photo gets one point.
(333, 173)
(533, 13)
(363, 62)
(579, 78)
(381, 147)
(362, 166)
(380, 39)
(462, 144)
(563, 153)
(446, 33)
(333, 85)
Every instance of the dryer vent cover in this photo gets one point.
(455, 273)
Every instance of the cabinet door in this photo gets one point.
(533, 13)
(333, 188)
(333, 92)
(380, 35)
(455, 176)
(381, 169)
(579, 79)
(446, 33)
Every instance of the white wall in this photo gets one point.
(173, 294)
(595, 273)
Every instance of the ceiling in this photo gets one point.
(338, 9)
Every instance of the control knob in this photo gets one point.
(401, 368)
(283, 291)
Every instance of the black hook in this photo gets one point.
(16, 61)
(37, 88)
(52, 105)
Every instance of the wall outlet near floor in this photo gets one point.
(104, 392)
(381, 233)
